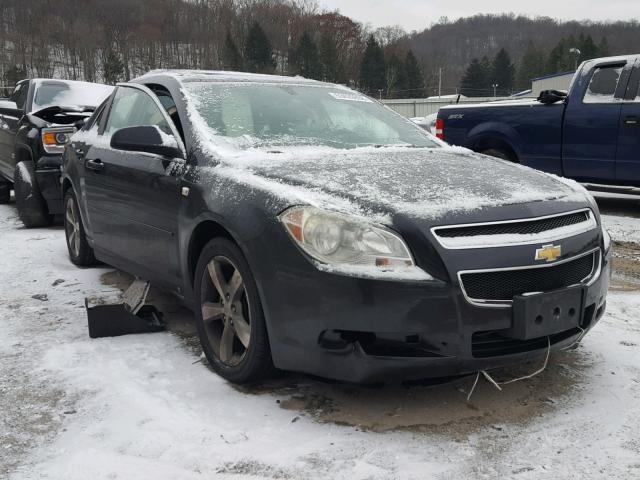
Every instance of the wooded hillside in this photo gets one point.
(100, 40)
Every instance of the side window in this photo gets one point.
(19, 95)
(94, 121)
(603, 84)
(134, 108)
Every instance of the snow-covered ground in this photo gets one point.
(145, 406)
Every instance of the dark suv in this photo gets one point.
(36, 122)
(313, 229)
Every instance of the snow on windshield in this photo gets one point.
(371, 181)
(67, 93)
(270, 115)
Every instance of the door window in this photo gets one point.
(603, 84)
(134, 108)
(19, 95)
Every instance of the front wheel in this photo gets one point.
(32, 207)
(80, 252)
(229, 316)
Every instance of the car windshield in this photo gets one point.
(69, 94)
(263, 115)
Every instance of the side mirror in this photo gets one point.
(148, 139)
(9, 108)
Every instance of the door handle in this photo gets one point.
(632, 121)
(95, 165)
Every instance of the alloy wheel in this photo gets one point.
(72, 226)
(226, 312)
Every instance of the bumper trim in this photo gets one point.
(479, 302)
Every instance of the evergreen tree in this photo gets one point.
(258, 52)
(396, 78)
(307, 59)
(372, 68)
(231, 58)
(588, 48)
(332, 69)
(475, 81)
(414, 76)
(113, 69)
(531, 66)
(502, 73)
(560, 58)
(603, 47)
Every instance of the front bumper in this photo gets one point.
(48, 172)
(364, 330)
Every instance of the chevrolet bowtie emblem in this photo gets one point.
(549, 252)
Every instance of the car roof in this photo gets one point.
(185, 76)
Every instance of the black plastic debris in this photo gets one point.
(124, 315)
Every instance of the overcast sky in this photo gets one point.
(419, 14)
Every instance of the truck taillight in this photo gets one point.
(440, 128)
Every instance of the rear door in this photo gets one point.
(10, 114)
(132, 197)
(628, 152)
(592, 121)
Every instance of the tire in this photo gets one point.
(5, 191)
(32, 207)
(494, 152)
(80, 252)
(230, 320)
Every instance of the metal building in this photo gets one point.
(556, 81)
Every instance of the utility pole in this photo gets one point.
(577, 53)
(440, 82)
(495, 85)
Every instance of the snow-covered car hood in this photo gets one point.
(423, 183)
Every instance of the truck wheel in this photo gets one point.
(80, 252)
(494, 152)
(5, 191)
(32, 207)
(229, 317)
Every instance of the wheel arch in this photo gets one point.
(487, 143)
(205, 231)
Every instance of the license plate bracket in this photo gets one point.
(541, 314)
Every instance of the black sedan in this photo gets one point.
(312, 229)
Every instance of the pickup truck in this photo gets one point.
(590, 134)
(36, 122)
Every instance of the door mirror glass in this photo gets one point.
(148, 139)
(7, 107)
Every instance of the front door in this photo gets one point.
(11, 112)
(591, 124)
(133, 198)
(628, 153)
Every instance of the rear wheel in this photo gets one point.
(80, 252)
(32, 207)
(495, 152)
(5, 191)
(230, 319)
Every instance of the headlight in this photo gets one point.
(54, 139)
(336, 239)
(606, 239)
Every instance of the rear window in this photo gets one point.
(69, 94)
(603, 84)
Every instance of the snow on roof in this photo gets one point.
(227, 76)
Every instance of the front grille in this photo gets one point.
(493, 344)
(526, 227)
(503, 285)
